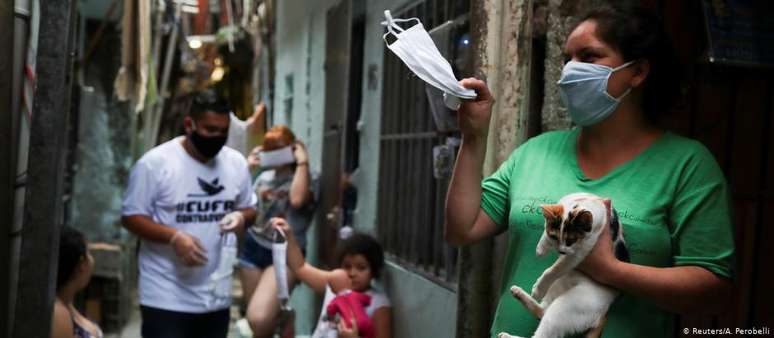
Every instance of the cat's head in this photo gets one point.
(574, 220)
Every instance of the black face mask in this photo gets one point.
(207, 146)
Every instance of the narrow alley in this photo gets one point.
(386, 168)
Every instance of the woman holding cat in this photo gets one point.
(670, 194)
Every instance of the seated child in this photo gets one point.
(361, 260)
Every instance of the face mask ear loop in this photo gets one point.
(392, 26)
(618, 99)
(622, 66)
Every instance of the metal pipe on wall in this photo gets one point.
(43, 208)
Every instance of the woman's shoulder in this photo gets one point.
(61, 310)
(682, 142)
(549, 139)
(553, 135)
(62, 323)
(690, 159)
(547, 143)
(684, 149)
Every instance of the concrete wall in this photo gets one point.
(503, 33)
(421, 309)
(560, 18)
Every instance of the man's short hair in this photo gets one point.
(208, 100)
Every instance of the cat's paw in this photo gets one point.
(505, 335)
(538, 292)
(541, 250)
(518, 292)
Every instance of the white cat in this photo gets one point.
(570, 301)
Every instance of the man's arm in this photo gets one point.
(144, 227)
(187, 247)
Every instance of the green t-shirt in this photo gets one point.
(672, 200)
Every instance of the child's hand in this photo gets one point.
(345, 332)
(282, 224)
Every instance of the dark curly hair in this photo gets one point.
(72, 249)
(362, 244)
(638, 34)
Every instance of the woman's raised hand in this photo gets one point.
(473, 115)
(300, 153)
(280, 223)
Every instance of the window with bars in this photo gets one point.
(411, 198)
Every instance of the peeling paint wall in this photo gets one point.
(559, 20)
(504, 33)
(505, 65)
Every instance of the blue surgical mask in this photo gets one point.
(583, 89)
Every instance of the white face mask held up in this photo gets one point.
(279, 249)
(276, 158)
(416, 49)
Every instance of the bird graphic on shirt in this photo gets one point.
(211, 188)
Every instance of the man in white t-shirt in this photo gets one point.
(183, 197)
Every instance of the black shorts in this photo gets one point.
(158, 323)
(254, 256)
